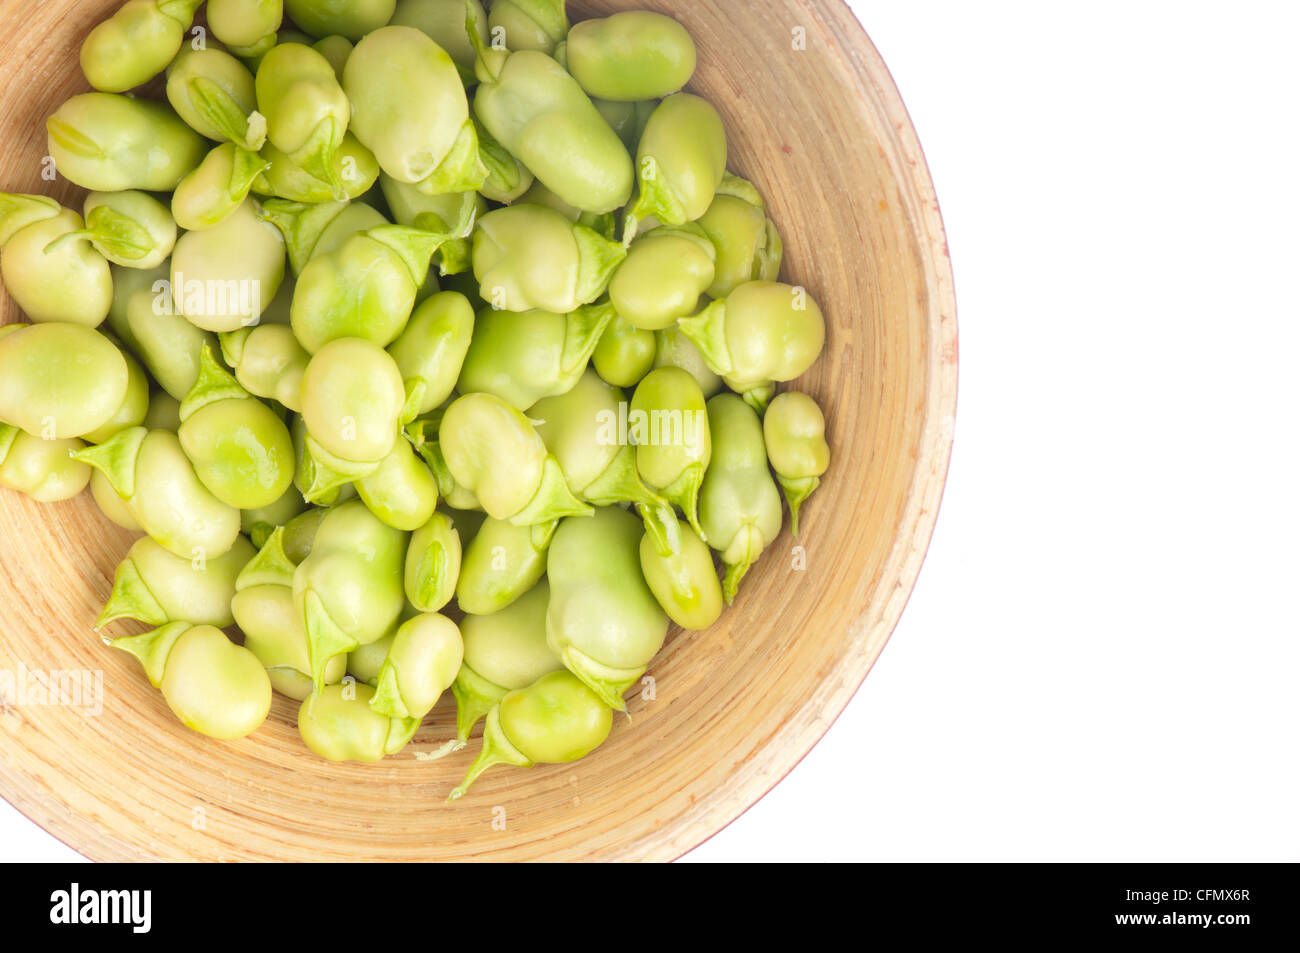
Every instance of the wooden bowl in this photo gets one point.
(821, 130)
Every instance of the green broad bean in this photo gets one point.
(431, 350)
(581, 428)
(500, 564)
(685, 582)
(433, 213)
(164, 412)
(213, 686)
(528, 24)
(150, 471)
(537, 111)
(666, 271)
(277, 312)
(762, 332)
(503, 651)
(748, 245)
(318, 229)
(126, 282)
(300, 533)
(354, 167)
(477, 433)
(794, 431)
(680, 161)
(625, 353)
(167, 343)
(42, 469)
(445, 22)
(223, 277)
(262, 607)
(319, 484)
(112, 505)
(258, 523)
(157, 586)
(528, 257)
(134, 408)
(348, 591)
(54, 273)
(130, 229)
(18, 210)
(630, 56)
(60, 380)
(423, 434)
(401, 491)
(366, 662)
(603, 621)
(306, 110)
(740, 507)
(539, 194)
(336, 49)
(669, 424)
(523, 358)
(352, 399)
(248, 27)
(448, 213)
(240, 449)
(339, 725)
(627, 119)
(350, 18)
(674, 349)
(268, 362)
(422, 662)
(556, 720)
(505, 177)
(106, 142)
(413, 137)
(136, 43)
(217, 188)
(366, 288)
(432, 567)
(214, 93)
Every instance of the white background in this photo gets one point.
(1100, 660)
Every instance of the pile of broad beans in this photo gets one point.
(433, 348)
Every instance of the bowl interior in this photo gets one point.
(814, 120)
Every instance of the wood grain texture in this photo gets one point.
(825, 136)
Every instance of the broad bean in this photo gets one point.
(42, 469)
(241, 450)
(479, 431)
(503, 651)
(523, 358)
(213, 686)
(669, 424)
(794, 431)
(60, 380)
(630, 56)
(136, 43)
(603, 621)
(763, 332)
(150, 471)
(106, 142)
(156, 586)
(740, 508)
(530, 257)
